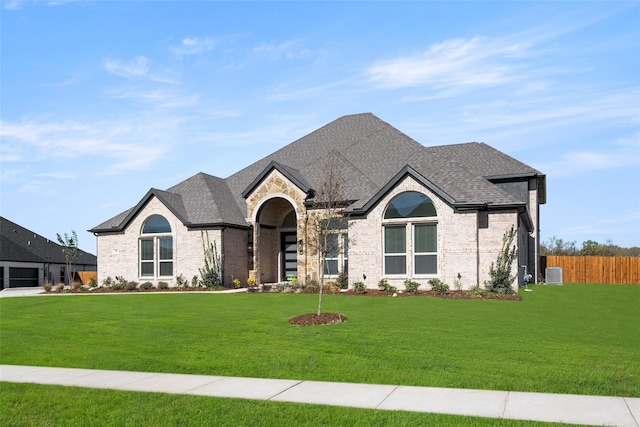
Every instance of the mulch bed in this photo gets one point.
(434, 294)
(312, 319)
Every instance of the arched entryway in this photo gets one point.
(276, 241)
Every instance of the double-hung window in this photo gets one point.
(410, 236)
(156, 248)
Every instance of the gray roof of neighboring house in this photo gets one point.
(17, 244)
(371, 154)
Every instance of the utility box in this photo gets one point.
(553, 276)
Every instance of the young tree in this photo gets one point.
(70, 250)
(327, 220)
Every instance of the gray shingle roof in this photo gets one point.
(18, 244)
(371, 153)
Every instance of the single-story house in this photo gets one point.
(414, 212)
(29, 260)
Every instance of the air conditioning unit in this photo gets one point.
(553, 276)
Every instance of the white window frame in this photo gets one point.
(156, 259)
(342, 255)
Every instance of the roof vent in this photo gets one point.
(553, 276)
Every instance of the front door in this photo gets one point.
(289, 251)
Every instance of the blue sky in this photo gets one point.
(101, 101)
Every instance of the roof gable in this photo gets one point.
(291, 174)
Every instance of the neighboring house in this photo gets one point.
(414, 212)
(28, 259)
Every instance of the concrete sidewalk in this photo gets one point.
(560, 408)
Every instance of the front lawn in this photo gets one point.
(582, 339)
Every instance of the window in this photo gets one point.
(410, 236)
(156, 248)
(337, 260)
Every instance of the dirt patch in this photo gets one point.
(311, 319)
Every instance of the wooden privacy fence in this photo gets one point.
(595, 269)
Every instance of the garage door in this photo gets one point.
(23, 277)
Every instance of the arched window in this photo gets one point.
(410, 236)
(156, 248)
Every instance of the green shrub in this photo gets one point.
(146, 285)
(120, 284)
(342, 281)
(384, 285)
(439, 286)
(181, 282)
(500, 272)
(360, 287)
(108, 282)
(477, 291)
(163, 285)
(131, 286)
(411, 286)
(92, 283)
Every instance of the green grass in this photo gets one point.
(582, 339)
(45, 405)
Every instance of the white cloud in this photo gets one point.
(477, 61)
(125, 144)
(194, 46)
(290, 49)
(136, 68)
(620, 154)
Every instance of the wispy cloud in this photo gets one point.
(290, 49)
(614, 155)
(194, 46)
(135, 68)
(124, 144)
(478, 61)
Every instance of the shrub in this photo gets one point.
(477, 291)
(500, 272)
(146, 285)
(47, 286)
(120, 284)
(59, 287)
(312, 287)
(75, 285)
(411, 286)
(182, 282)
(360, 287)
(331, 288)
(163, 285)
(108, 282)
(384, 285)
(131, 286)
(439, 286)
(251, 281)
(236, 283)
(195, 281)
(342, 281)
(92, 283)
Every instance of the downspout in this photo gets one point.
(478, 248)
(222, 254)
